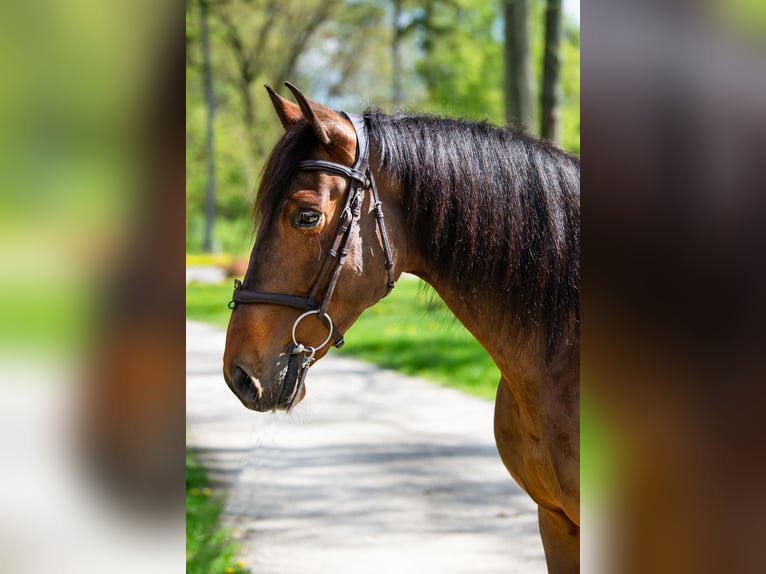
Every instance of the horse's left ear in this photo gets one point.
(288, 112)
(333, 130)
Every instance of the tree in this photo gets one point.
(266, 39)
(550, 115)
(396, 55)
(440, 56)
(518, 64)
(460, 58)
(207, 75)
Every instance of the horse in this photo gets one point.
(488, 216)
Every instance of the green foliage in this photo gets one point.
(230, 235)
(410, 331)
(570, 88)
(339, 52)
(464, 77)
(462, 63)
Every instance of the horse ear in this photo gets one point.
(316, 114)
(333, 131)
(288, 112)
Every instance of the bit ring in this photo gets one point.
(325, 319)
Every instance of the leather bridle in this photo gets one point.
(360, 179)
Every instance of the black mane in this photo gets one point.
(498, 211)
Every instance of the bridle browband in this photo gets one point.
(360, 178)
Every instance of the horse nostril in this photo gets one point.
(238, 377)
(243, 385)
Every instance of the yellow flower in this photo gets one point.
(195, 491)
(206, 491)
(229, 570)
(240, 564)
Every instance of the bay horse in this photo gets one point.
(489, 217)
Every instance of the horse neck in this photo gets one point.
(534, 375)
(514, 350)
(482, 306)
(476, 311)
(519, 352)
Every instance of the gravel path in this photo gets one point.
(372, 473)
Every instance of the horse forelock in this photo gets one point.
(496, 209)
(280, 169)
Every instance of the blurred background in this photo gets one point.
(91, 289)
(674, 116)
(447, 57)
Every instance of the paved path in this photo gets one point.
(372, 473)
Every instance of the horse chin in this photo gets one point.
(269, 390)
(267, 400)
(270, 401)
(272, 387)
(280, 380)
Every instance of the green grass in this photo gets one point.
(208, 303)
(209, 548)
(411, 331)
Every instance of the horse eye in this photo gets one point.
(306, 218)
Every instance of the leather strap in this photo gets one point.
(340, 169)
(363, 164)
(295, 378)
(241, 295)
(383, 238)
(244, 296)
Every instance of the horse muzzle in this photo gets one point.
(257, 393)
(282, 391)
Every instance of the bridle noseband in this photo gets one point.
(360, 179)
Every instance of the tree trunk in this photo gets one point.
(248, 114)
(207, 78)
(518, 64)
(550, 116)
(396, 57)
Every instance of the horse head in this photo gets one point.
(321, 254)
